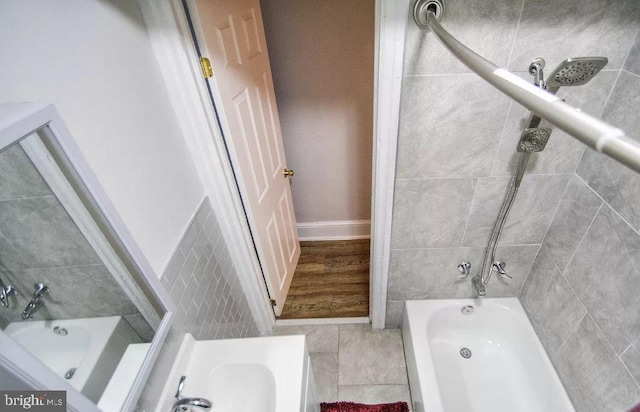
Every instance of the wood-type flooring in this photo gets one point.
(330, 281)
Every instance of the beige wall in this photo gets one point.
(322, 61)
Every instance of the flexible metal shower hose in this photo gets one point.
(490, 252)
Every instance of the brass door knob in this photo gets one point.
(288, 173)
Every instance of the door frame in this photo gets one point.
(171, 41)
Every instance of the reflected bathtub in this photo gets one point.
(486, 359)
(85, 352)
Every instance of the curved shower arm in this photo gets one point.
(589, 130)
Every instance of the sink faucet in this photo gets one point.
(186, 404)
(36, 302)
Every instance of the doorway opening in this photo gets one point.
(322, 61)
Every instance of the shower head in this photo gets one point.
(534, 140)
(576, 71)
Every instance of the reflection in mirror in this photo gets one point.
(71, 298)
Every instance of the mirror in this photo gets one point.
(74, 296)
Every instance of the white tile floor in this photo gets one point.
(355, 363)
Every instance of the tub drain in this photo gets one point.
(60, 331)
(70, 373)
(465, 353)
(467, 310)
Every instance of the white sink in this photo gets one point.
(244, 375)
(242, 387)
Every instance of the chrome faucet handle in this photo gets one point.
(180, 386)
(5, 292)
(41, 289)
(499, 267)
(464, 268)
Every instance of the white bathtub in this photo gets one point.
(92, 347)
(508, 369)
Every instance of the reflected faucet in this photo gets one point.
(36, 302)
(186, 404)
(5, 292)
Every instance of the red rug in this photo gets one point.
(360, 407)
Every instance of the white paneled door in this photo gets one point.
(242, 82)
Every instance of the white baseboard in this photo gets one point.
(321, 321)
(335, 230)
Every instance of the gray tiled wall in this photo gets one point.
(457, 140)
(204, 286)
(40, 243)
(582, 292)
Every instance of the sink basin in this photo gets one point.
(266, 374)
(242, 387)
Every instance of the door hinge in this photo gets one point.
(205, 65)
(273, 302)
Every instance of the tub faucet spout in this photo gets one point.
(32, 308)
(36, 302)
(479, 286)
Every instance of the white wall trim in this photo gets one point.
(391, 22)
(178, 61)
(335, 230)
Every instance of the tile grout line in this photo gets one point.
(464, 247)
(627, 368)
(564, 192)
(555, 211)
(511, 101)
(482, 177)
(606, 338)
(613, 87)
(466, 223)
(586, 310)
(631, 73)
(578, 247)
(529, 272)
(575, 328)
(610, 206)
(515, 35)
(626, 56)
(587, 313)
(502, 137)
